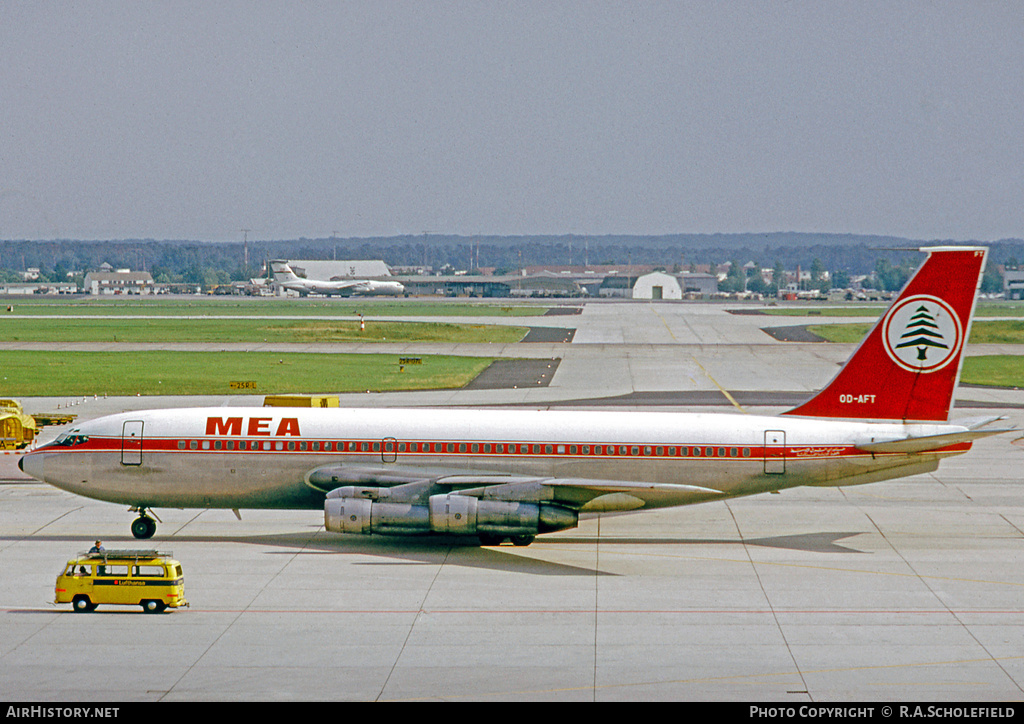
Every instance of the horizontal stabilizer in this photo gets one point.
(927, 443)
(973, 423)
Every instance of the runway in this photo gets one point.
(909, 590)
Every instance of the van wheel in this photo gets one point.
(82, 604)
(153, 606)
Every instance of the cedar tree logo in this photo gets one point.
(922, 334)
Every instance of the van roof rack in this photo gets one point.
(126, 553)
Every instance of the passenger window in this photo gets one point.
(148, 571)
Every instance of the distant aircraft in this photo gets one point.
(286, 278)
(513, 474)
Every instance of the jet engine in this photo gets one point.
(451, 514)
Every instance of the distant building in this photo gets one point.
(657, 285)
(1013, 284)
(698, 283)
(328, 270)
(123, 281)
(38, 288)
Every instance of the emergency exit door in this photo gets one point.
(388, 450)
(774, 452)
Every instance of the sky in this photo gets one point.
(198, 120)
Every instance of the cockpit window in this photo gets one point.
(69, 439)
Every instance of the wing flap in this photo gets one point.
(593, 495)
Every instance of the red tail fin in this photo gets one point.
(908, 365)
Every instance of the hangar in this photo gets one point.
(657, 285)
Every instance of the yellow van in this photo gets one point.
(150, 579)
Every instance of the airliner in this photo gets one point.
(497, 475)
(286, 278)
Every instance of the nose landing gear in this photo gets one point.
(144, 526)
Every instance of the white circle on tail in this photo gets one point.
(922, 333)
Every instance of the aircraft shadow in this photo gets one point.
(824, 542)
(453, 550)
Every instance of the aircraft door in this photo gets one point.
(774, 452)
(131, 443)
(389, 450)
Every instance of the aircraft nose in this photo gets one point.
(32, 464)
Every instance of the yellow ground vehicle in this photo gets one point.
(18, 429)
(146, 578)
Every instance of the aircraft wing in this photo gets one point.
(410, 485)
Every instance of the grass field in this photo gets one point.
(214, 329)
(994, 371)
(869, 309)
(988, 370)
(31, 374)
(982, 332)
(258, 306)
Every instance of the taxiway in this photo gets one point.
(896, 591)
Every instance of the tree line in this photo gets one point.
(887, 259)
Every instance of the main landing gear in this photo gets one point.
(144, 526)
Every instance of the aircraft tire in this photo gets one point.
(522, 540)
(143, 527)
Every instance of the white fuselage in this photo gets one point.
(269, 457)
(356, 287)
